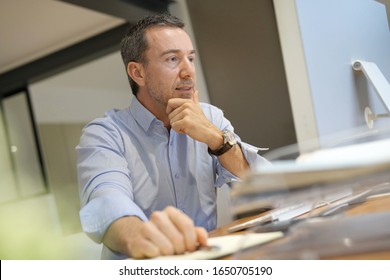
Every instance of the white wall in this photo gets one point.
(82, 93)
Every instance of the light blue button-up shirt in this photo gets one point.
(129, 164)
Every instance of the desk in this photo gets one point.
(375, 205)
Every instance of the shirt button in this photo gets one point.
(177, 176)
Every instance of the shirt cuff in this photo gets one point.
(105, 207)
(251, 155)
(253, 158)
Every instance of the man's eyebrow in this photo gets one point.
(175, 51)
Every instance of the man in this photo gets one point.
(148, 174)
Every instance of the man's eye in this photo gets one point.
(191, 58)
(173, 59)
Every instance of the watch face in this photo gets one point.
(229, 138)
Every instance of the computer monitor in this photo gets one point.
(320, 41)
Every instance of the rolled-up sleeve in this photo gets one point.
(106, 204)
(251, 154)
(105, 188)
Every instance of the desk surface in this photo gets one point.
(376, 205)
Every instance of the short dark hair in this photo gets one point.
(134, 43)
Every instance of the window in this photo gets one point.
(21, 164)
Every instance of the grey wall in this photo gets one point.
(241, 56)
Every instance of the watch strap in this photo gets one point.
(220, 151)
(228, 142)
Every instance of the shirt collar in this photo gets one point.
(142, 116)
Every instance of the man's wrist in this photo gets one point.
(229, 141)
(216, 140)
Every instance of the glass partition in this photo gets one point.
(21, 165)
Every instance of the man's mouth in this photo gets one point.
(185, 92)
(184, 88)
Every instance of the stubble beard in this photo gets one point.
(161, 97)
(157, 95)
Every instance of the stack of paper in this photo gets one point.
(324, 173)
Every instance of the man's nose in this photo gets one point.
(187, 69)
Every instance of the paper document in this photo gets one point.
(319, 167)
(226, 245)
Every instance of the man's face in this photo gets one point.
(170, 66)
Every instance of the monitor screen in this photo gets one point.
(320, 42)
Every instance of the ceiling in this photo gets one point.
(31, 29)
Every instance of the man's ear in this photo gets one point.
(136, 71)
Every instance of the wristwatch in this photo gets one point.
(229, 140)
